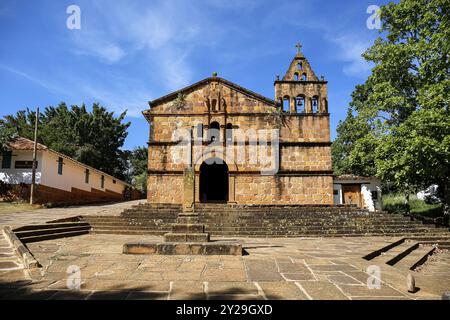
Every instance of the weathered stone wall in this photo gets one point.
(305, 158)
(284, 189)
(165, 188)
(242, 158)
(251, 189)
(304, 175)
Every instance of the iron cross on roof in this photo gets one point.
(298, 46)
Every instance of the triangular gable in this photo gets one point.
(171, 96)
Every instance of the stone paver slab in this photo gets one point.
(282, 290)
(364, 291)
(322, 290)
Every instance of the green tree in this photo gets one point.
(6, 135)
(417, 153)
(138, 163)
(398, 115)
(94, 138)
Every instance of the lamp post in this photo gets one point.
(33, 170)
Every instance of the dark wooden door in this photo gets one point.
(352, 194)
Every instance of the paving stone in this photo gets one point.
(235, 297)
(8, 265)
(298, 276)
(293, 268)
(144, 275)
(37, 294)
(331, 267)
(282, 290)
(358, 275)
(101, 285)
(70, 295)
(344, 279)
(108, 295)
(223, 275)
(322, 290)
(183, 276)
(147, 296)
(226, 288)
(262, 270)
(187, 290)
(364, 291)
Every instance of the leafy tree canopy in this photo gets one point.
(398, 120)
(94, 138)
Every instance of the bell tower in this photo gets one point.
(300, 91)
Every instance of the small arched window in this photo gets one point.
(229, 132)
(286, 106)
(315, 104)
(296, 76)
(299, 104)
(214, 131)
(214, 105)
(299, 66)
(304, 78)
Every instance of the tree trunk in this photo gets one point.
(407, 206)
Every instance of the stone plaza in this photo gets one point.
(300, 268)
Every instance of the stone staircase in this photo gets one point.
(145, 219)
(266, 221)
(8, 259)
(52, 230)
(408, 253)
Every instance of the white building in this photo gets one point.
(365, 192)
(59, 178)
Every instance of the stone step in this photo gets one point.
(244, 216)
(10, 265)
(186, 237)
(252, 235)
(395, 254)
(415, 258)
(267, 224)
(50, 226)
(49, 231)
(274, 226)
(52, 236)
(123, 227)
(129, 232)
(8, 259)
(250, 217)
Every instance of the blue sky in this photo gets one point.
(129, 52)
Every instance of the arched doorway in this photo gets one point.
(214, 181)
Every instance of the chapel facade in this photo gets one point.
(243, 147)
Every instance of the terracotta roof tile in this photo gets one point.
(24, 144)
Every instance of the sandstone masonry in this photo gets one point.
(212, 110)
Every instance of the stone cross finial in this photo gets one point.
(298, 46)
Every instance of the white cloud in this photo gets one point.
(120, 99)
(45, 84)
(351, 47)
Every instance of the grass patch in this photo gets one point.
(395, 203)
(10, 207)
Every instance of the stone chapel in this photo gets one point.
(226, 133)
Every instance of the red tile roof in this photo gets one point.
(24, 144)
(21, 143)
